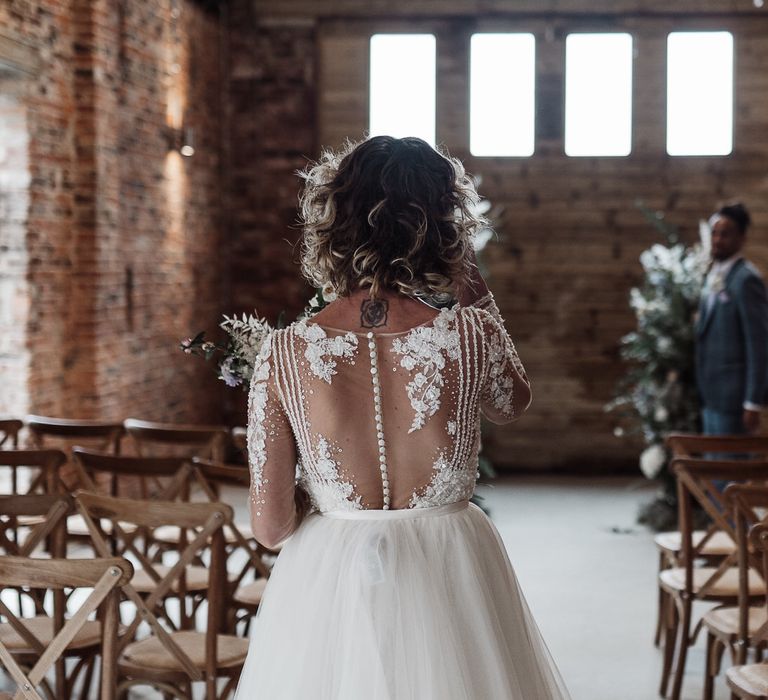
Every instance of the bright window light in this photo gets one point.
(501, 110)
(598, 94)
(402, 97)
(699, 93)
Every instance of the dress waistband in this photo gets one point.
(399, 514)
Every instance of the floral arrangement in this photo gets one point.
(244, 340)
(658, 395)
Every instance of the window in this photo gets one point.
(501, 110)
(402, 86)
(699, 93)
(598, 94)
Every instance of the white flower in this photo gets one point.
(652, 460)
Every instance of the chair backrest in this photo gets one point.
(51, 513)
(104, 576)
(9, 432)
(749, 503)
(31, 471)
(211, 475)
(152, 438)
(698, 481)
(207, 519)
(135, 476)
(64, 433)
(695, 445)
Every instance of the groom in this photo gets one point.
(732, 332)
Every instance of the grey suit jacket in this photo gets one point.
(732, 343)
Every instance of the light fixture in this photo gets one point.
(181, 140)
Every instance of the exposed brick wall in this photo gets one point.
(123, 237)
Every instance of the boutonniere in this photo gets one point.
(723, 297)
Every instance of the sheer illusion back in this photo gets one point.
(376, 420)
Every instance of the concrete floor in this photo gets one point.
(589, 575)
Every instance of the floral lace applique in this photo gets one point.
(451, 427)
(500, 387)
(257, 434)
(449, 483)
(323, 482)
(423, 349)
(321, 350)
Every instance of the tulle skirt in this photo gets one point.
(416, 604)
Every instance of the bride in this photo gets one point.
(363, 440)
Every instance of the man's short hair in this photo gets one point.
(737, 213)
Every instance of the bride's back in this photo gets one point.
(382, 419)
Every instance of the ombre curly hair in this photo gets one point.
(388, 213)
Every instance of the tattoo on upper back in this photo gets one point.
(373, 313)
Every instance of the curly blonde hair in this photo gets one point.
(388, 213)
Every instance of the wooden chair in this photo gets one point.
(714, 544)
(173, 660)
(240, 440)
(697, 482)
(734, 628)
(9, 433)
(42, 469)
(750, 682)
(151, 438)
(30, 648)
(64, 433)
(248, 559)
(122, 475)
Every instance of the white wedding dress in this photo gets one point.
(395, 588)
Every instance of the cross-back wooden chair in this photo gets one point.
(750, 681)
(173, 660)
(151, 438)
(247, 559)
(741, 627)
(697, 482)
(9, 433)
(153, 478)
(46, 537)
(715, 544)
(31, 472)
(29, 649)
(64, 433)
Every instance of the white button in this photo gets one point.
(386, 483)
(381, 442)
(380, 434)
(370, 334)
(374, 370)
(376, 390)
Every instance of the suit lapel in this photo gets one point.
(705, 318)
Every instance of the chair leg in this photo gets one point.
(671, 621)
(660, 613)
(712, 663)
(684, 630)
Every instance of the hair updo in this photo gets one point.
(388, 213)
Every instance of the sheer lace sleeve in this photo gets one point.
(506, 391)
(271, 455)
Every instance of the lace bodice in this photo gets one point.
(376, 420)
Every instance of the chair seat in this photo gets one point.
(197, 579)
(151, 654)
(170, 534)
(719, 544)
(76, 526)
(42, 627)
(749, 681)
(251, 593)
(726, 585)
(725, 621)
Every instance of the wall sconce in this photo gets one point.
(181, 140)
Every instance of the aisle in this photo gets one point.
(592, 589)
